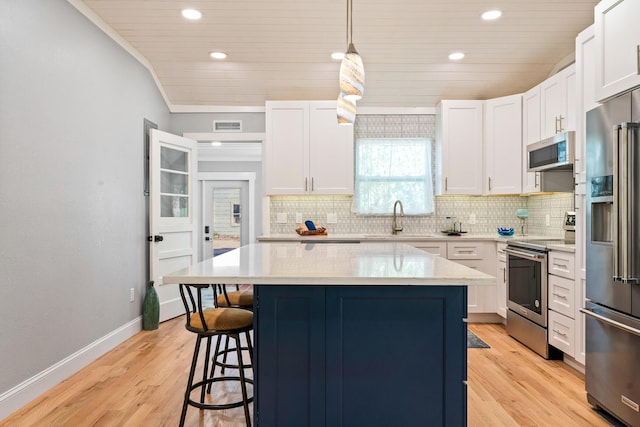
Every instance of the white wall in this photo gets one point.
(72, 104)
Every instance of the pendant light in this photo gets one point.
(346, 110)
(351, 68)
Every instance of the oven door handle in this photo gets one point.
(611, 322)
(527, 255)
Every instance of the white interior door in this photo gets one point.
(173, 213)
(226, 216)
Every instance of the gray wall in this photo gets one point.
(72, 211)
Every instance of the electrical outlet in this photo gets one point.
(547, 220)
(298, 217)
(472, 218)
(332, 218)
(132, 295)
(281, 218)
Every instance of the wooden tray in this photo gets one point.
(320, 231)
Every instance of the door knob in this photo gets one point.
(156, 238)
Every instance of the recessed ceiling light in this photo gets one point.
(191, 14)
(218, 55)
(491, 15)
(216, 143)
(456, 56)
(337, 55)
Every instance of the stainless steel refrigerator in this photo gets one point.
(612, 310)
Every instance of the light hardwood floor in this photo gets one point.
(141, 383)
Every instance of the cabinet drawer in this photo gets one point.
(561, 333)
(464, 250)
(562, 264)
(561, 293)
(437, 248)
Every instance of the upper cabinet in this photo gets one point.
(306, 151)
(459, 132)
(617, 47)
(557, 103)
(503, 145)
(530, 133)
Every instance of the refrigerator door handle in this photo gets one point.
(623, 179)
(610, 322)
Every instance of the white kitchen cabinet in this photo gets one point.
(558, 103)
(503, 145)
(530, 134)
(501, 280)
(459, 147)
(306, 151)
(436, 248)
(561, 296)
(617, 47)
(561, 333)
(479, 256)
(562, 264)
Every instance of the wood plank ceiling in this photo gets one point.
(280, 49)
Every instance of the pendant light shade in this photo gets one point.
(352, 74)
(346, 110)
(351, 77)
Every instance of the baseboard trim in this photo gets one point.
(18, 396)
(171, 309)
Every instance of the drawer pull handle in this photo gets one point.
(560, 295)
(560, 333)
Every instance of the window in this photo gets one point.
(390, 169)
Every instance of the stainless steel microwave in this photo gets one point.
(551, 153)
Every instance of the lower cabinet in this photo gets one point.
(501, 280)
(360, 355)
(562, 307)
(480, 256)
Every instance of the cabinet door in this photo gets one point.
(558, 103)
(617, 47)
(290, 333)
(503, 145)
(286, 148)
(330, 151)
(459, 138)
(552, 110)
(530, 134)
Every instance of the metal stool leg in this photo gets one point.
(243, 383)
(213, 364)
(194, 362)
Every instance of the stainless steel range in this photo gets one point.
(527, 289)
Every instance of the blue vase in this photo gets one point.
(150, 309)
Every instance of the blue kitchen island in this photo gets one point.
(369, 334)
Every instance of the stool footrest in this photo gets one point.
(201, 384)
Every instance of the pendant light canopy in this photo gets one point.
(351, 76)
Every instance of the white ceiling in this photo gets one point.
(280, 49)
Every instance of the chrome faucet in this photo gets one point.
(394, 226)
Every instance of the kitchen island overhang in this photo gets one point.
(352, 334)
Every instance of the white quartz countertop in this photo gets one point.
(408, 238)
(295, 263)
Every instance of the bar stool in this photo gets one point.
(236, 299)
(215, 322)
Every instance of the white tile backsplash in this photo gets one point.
(490, 212)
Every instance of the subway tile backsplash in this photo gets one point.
(490, 212)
